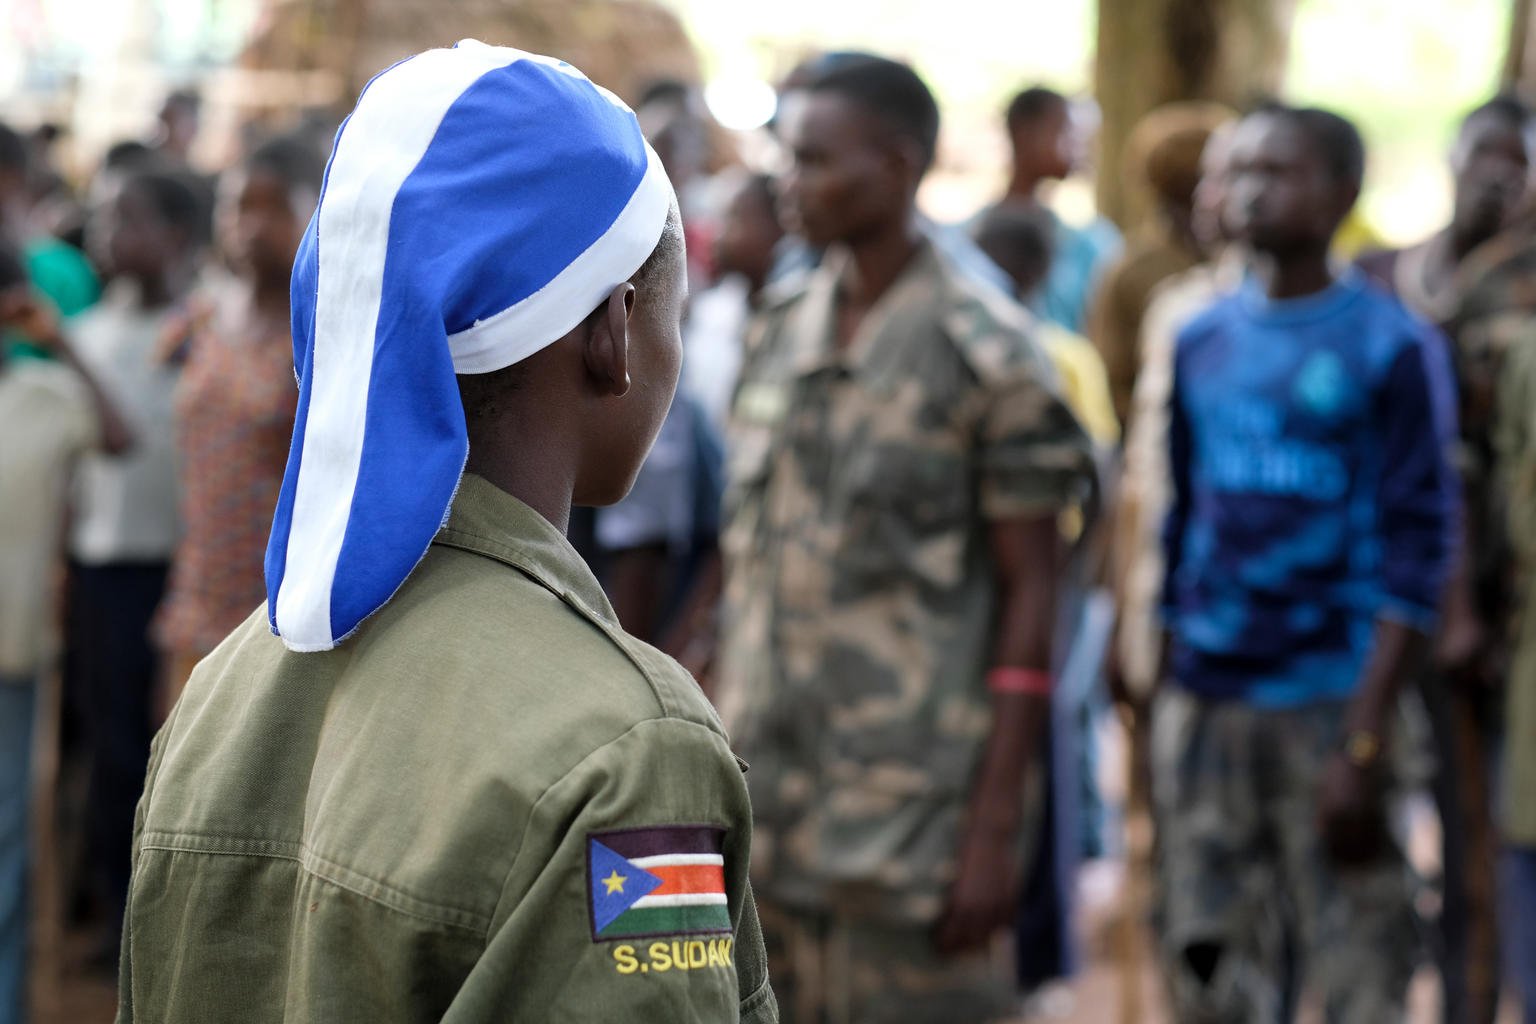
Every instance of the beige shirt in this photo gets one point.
(126, 506)
(1145, 489)
(47, 420)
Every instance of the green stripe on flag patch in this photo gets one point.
(712, 917)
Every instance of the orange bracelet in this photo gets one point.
(1031, 682)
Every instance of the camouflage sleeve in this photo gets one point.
(1034, 455)
(1514, 445)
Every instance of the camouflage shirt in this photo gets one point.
(1515, 457)
(1495, 332)
(1496, 308)
(860, 594)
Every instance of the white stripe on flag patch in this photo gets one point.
(682, 899)
(677, 860)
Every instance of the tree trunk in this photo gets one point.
(1518, 72)
(1152, 52)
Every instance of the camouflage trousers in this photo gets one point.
(1251, 911)
(830, 969)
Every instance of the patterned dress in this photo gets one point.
(234, 419)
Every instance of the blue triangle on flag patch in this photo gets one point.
(616, 884)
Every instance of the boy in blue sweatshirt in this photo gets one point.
(1312, 527)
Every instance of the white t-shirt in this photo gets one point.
(712, 347)
(127, 506)
(659, 509)
(47, 421)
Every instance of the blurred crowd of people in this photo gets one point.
(1267, 492)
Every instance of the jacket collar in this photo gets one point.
(488, 521)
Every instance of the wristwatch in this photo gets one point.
(1362, 748)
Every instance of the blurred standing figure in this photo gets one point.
(1019, 241)
(1491, 168)
(235, 405)
(1311, 532)
(678, 126)
(1047, 145)
(648, 547)
(1137, 551)
(655, 542)
(1443, 279)
(1515, 448)
(1163, 156)
(1491, 163)
(178, 124)
(126, 523)
(713, 339)
(51, 411)
(59, 272)
(1493, 326)
(898, 462)
(744, 252)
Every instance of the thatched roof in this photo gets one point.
(621, 44)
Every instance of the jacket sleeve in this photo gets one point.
(628, 899)
(125, 964)
(1418, 499)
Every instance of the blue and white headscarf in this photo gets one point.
(478, 204)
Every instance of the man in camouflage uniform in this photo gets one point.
(1515, 461)
(1495, 332)
(898, 463)
(1459, 279)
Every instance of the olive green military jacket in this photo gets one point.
(489, 804)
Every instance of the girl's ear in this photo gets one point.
(607, 349)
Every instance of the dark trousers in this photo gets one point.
(1520, 908)
(112, 670)
(1466, 937)
(18, 698)
(1041, 925)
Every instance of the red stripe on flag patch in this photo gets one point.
(689, 878)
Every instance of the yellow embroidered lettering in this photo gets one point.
(714, 954)
(659, 959)
(730, 946)
(624, 960)
(679, 956)
(697, 957)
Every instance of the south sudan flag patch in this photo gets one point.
(668, 880)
